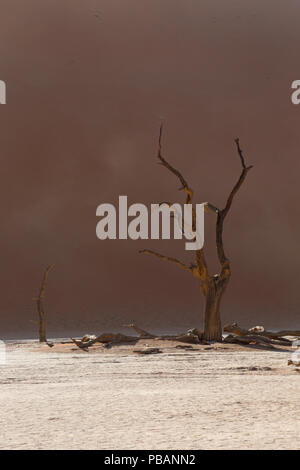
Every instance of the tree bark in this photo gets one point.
(212, 317)
(40, 307)
(42, 323)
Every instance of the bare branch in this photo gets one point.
(142, 333)
(240, 180)
(84, 345)
(240, 152)
(222, 213)
(173, 170)
(44, 281)
(211, 207)
(200, 269)
(167, 258)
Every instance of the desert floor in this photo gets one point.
(209, 397)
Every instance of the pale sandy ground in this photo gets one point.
(208, 398)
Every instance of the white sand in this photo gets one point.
(113, 399)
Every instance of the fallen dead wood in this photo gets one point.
(294, 333)
(257, 335)
(104, 338)
(140, 332)
(147, 351)
(292, 363)
(193, 336)
(249, 339)
(83, 345)
(184, 338)
(264, 340)
(116, 338)
(259, 332)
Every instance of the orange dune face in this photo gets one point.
(87, 87)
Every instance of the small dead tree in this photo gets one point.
(40, 306)
(212, 286)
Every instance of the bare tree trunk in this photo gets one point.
(212, 318)
(42, 324)
(40, 307)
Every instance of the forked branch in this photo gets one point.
(222, 213)
(200, 269)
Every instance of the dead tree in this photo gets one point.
(40, 306)
(212, 286)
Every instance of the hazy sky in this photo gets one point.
(87, 84)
